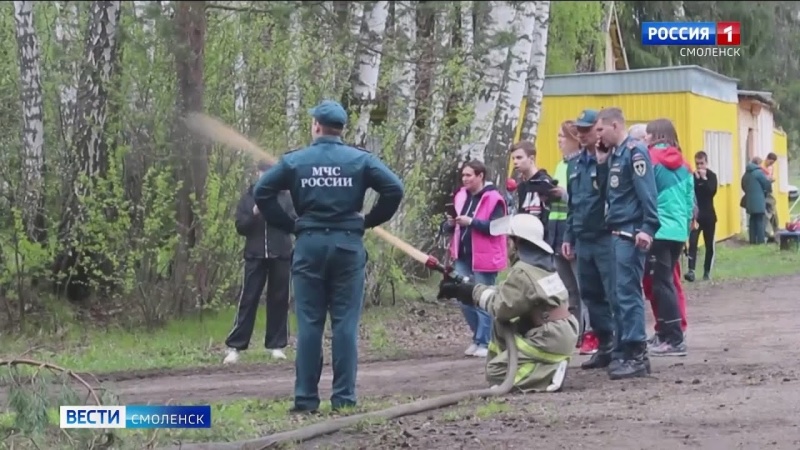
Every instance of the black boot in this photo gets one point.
(602, 358)
(636, 364)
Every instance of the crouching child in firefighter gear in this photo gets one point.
(534, 301)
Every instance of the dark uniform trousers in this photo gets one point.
(328, 270)
(629, 263)
(596, 283)
(274, 272)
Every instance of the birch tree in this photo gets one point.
(513, 91)
(443, 33)
(67, 31)
(493, 64)
(369, 65)
(536, 72)
(31, 96)
(88, 141)
(404, 80)
(355, 20)
(293, 88)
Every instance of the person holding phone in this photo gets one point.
(476, 253)
(587, 240)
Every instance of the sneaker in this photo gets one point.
(231, 357)
(481, 352)
(470, 351)
(689, 276)
(590, 344)
(706, 277)
(558, 377)
(277, 353)
(667, 349)
(654, 341)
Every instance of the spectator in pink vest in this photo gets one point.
(476, 253)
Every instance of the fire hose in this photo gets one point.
(332, 426)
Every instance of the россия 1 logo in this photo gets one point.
(718, 38)
(691, 33)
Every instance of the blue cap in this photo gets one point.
(329, 113)
(587, 118)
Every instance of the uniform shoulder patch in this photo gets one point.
(551, 285)
(639, 163)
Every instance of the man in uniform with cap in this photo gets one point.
(533, 301)
(587, 239)
(328, 181)
(632, 217)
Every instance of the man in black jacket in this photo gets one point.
(705, 188)
(267, 260)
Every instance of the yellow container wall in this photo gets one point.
(691, 114)
(705, 114)
(780, 147)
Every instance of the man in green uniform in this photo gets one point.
(534, 301)
(327, 182)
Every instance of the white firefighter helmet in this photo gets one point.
(523, 226)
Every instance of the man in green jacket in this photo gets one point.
(675, 185)
(756, 188)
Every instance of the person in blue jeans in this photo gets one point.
(475, 252)
(479, 321)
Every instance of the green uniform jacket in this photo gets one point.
(675, 185)
(756, 187)
(526, 291)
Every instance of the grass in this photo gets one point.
(195, 341)
(189, 342)
(231, 421)
(736, 260)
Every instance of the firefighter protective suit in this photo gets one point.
(533, 301)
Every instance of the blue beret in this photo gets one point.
(329, 113)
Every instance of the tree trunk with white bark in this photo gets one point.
(355, 19)
(403, 107)
(293, 89)
(89, 146)
(32, 186)
(536, 72)
(510, 97)
(501, 19)
(369, 65)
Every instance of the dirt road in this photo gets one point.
(738, 388)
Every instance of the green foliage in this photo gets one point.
(769, 60)
(574, 32)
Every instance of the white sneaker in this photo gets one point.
(277, 354)
(231, 357)
(558, 377)
(481, 352)
(470, 351)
